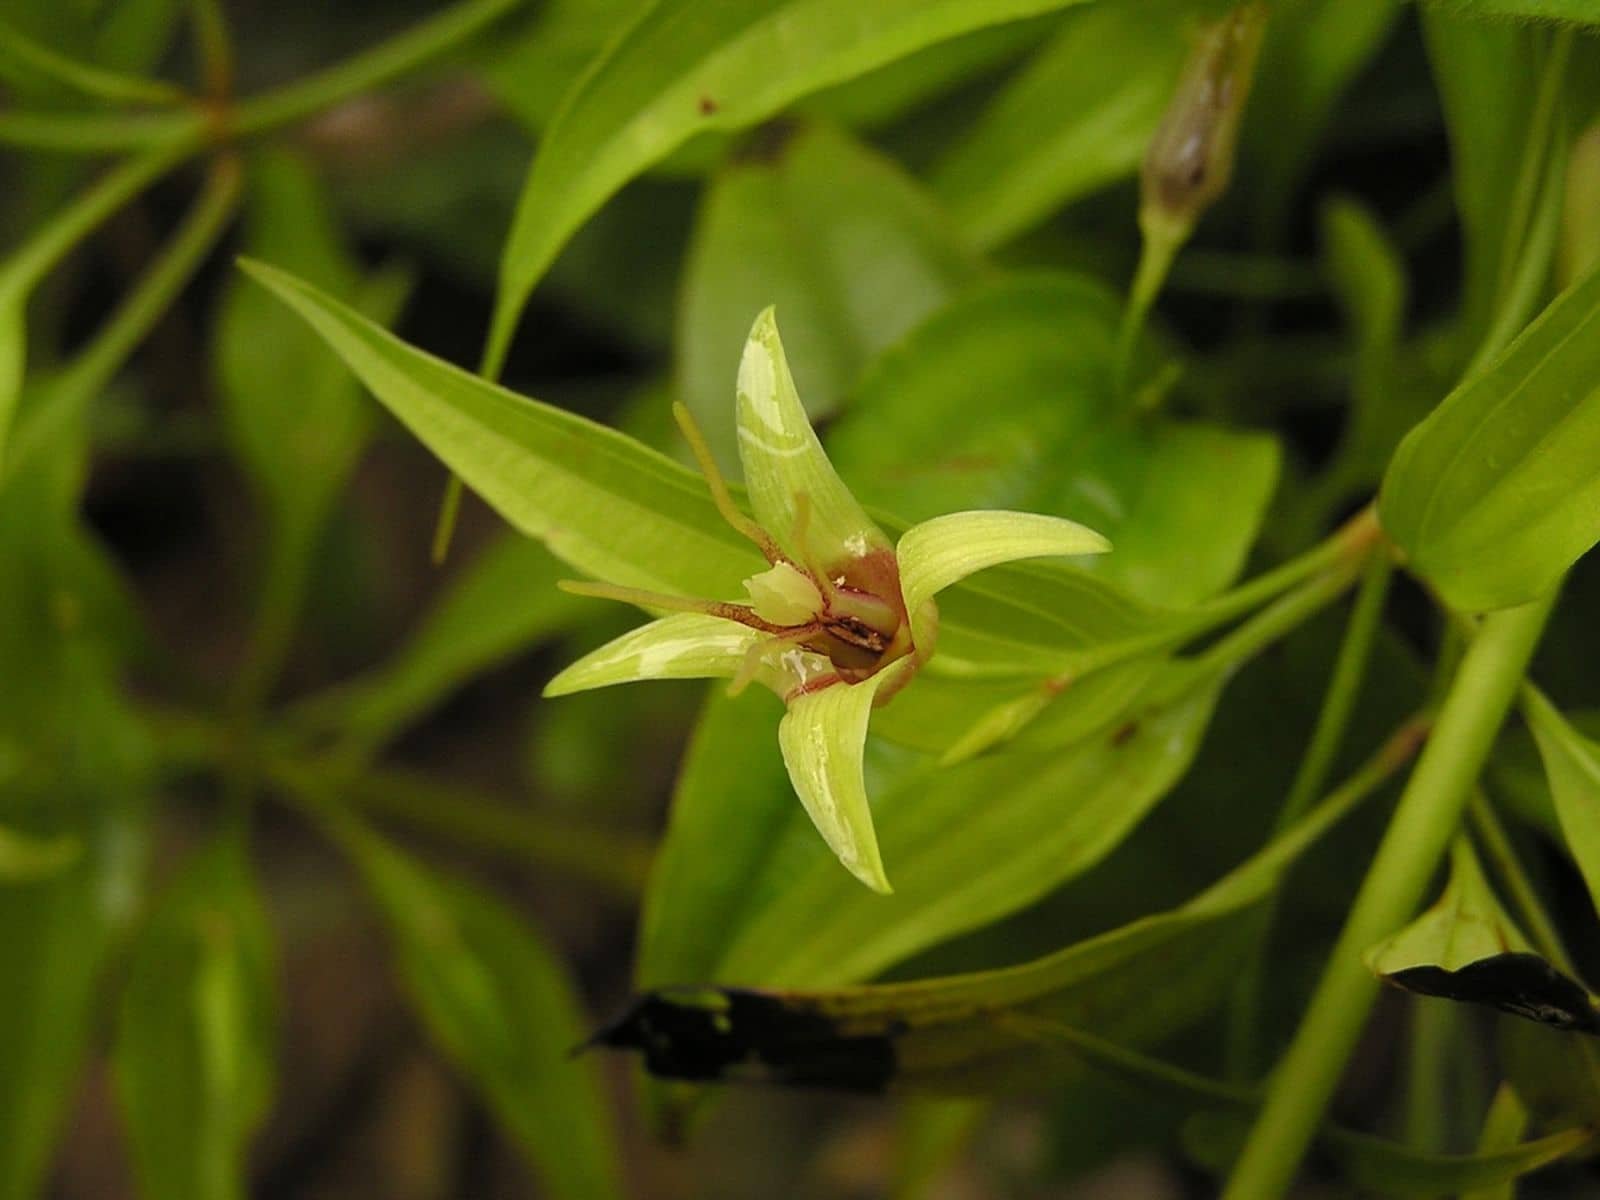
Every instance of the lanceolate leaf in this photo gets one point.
(1572, 765)
(194, 1056)
(1132, 985)
(958, 862)
(743, 894)
(1495, 494)
(623, 513)
(685, 67)
(682, 646)
(1075, 119)
(498, 1003)
(599, 500)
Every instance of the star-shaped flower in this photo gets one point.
(840, 619)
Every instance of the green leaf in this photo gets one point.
(1006, 399)
(498, 1003)
(504, 601)
(77, 767)
(599, 500)
(1572, 765)
(1578, 12)
(732, 803)
(1045, 818)
(742, 893)
(1077, 118)
(625, 514)
(847, 248)
(682, 69)
(293, 413)
(1495, 495)
(1466, 948)
(194, 1054)
(1503, 1128)
(961, 1033)
(1380, 1167)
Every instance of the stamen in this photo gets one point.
(724, 609)
(720, 496)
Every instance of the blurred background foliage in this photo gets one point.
(311, 894)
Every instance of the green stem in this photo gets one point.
(396, 57)
(1157, 250)
(1338, 704)
(70, 394)
(99, 133)
(87, 79)
(1497, 844)
(40, 254)
(1339, 701)
(213, 47)
(1428, 1101)
(1426, 816)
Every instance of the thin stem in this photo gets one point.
(1426, 816)
(383, 63)
(40, 254)
(87, 376)
(1497, 844)
(98, 133)
(1338, 704)
(444, 529)
(87, 79)
(1433, 1027)
(1157, 250)
(214, 47)
(1344, 686)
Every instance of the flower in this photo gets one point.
(838, 621)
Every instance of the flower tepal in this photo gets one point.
(838, 620)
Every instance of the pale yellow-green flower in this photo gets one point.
(840, 618)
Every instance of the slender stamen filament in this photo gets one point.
(725, 609)
(720, 496)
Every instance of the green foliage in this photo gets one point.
(498, 1003)
(196, 1045)
(1033, 766)
(1492, 497)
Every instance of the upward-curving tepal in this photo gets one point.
(840, 618)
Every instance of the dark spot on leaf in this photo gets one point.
(1521, 984)
(729, 1034)
(1121, 736)
(707, 106)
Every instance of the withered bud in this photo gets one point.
(1190, 158)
